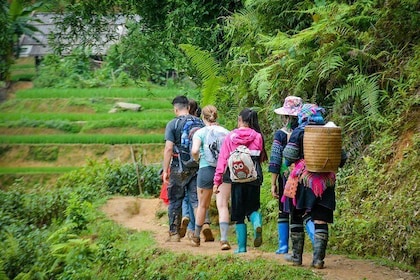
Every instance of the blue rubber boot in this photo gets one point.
(256, 220)
(283, 232)
(310, 229)
(241, 238)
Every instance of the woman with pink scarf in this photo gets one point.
(308, 195)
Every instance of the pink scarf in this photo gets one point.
(316, 181)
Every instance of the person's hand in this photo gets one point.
(274, 192)
(216, 189)
(165, 177)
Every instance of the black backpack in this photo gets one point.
(185, 127)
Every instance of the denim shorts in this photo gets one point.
(205, 177)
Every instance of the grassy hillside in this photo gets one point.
(50, 131)
(378, 197)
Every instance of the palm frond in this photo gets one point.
(370, 96)
(242, 26)
(210, 87)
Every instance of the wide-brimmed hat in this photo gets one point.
(291, 106)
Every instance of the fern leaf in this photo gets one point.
(208, 69)
(329, 64)
(261, 82)
(364, 89)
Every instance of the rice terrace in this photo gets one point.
(85, 96)
(50, 131)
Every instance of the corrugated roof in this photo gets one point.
(32, 47)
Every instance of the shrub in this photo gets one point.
(115, 178)
(124, 180)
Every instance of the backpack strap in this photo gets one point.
(179, 124)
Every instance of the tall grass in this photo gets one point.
(82, 139)
(23, 70)
(63, 105)
(126, 116)
(146, 92)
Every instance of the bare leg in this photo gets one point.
(204, 199)
(222, 202)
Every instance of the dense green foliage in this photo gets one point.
(14, 21)
(345, 60)
(379, 196)
(60, 234)
(150, 51)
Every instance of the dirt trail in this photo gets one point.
(140, 214)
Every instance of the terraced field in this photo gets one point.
(45, 132)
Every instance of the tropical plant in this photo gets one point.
(315, 63)
(285, 16)
(208, 70)
(358, 104)
(16, 21)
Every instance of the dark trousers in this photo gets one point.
(176, 194)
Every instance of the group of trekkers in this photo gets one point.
(202, 160)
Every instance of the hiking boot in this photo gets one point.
(208, 235)
(190, 234)
(183, 228)
(173, 237)
(195, 241)
(224, 245)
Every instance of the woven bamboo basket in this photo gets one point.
(322, 148)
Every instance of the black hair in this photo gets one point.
(250, 117)
(180, 99)
(194, 108)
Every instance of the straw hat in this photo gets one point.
(291, 106)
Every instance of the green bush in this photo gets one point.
(124, 180)
(75, 71)
(24, 250)
(115, 178)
